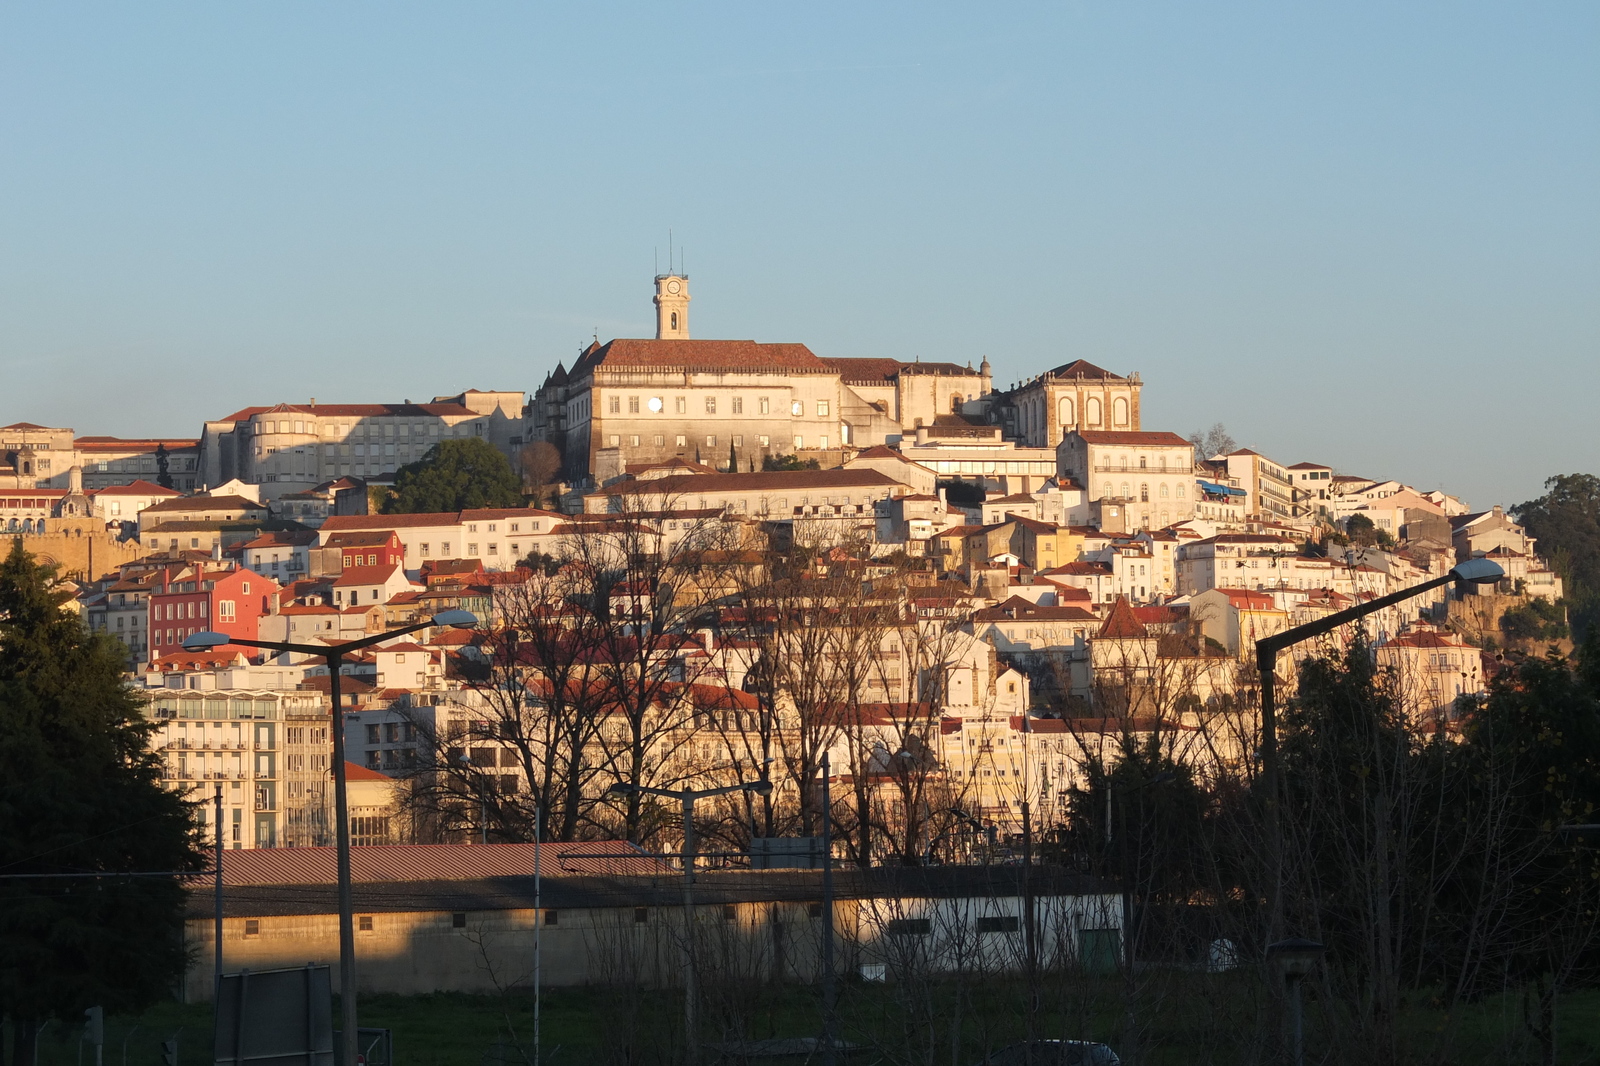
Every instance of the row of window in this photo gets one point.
(365, 430)
(1144, 491)
(680, 404)
(712, 441)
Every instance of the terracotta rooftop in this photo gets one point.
(1122, 623)
(701, 355)
(431, 862)
(1161, 439)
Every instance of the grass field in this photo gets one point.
(901, 1024)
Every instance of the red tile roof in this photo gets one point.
(1085, 369)
(1122, 623)
(432, 862)
(700, 355)
(367, 575)
(1162, 439)
(355, 410)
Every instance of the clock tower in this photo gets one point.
(672, 307)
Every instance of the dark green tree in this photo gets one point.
(1360, 530)
(1566, 523)
(163, 467)
(80, 792)
(453, 476)
(788, 462)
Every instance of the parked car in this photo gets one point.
(1052, 1053)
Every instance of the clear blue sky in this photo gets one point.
(1366, 234)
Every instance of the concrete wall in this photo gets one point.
(413, 952)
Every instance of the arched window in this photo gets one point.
(1091, 411)
(1163, 462)
(1066, 411)
(1126, 495)
(674, 320)
(1124, 461)
(1119, 410)
(1163, 490)
(1144, 462)
(1105, 490)
(1180, 490)
(1166, 519)
(1144, 492)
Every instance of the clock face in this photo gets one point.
(674, 288)
(656, 404)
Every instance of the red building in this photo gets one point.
(223, 600)
(376, 548)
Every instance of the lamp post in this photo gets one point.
(1471, 572)
(687, 797)
(333, 655)
(1294, 959)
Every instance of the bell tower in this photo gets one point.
(672, 307)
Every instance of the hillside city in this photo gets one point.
(1033, 568)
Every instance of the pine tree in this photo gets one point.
(80, 792)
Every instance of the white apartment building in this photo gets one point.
(232, 740)
(1148, 475)
(497, 537)
(292, 448)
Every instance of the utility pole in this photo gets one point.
(216, 807)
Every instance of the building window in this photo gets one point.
(738, 440)
(822, 442)
(252, 927)
(1119, 411)
(633, 441)
(909, 926)
(458, 920)
(552, 917)
(763, 407)
(675, 326)
(641, 914)
(683, 441)
(661, 441)
(616, 440)
(615, 405)
(999, 923)
(711, 405)
(633, 405)
(364, 923)
(682, 405)
(1091, 411)
(1144, 492)
(764, 441)
(1163, 490)
(797, 408)
(738, 405)
(711, 440)
(822, 408)
(799, 443)
(1180, 490)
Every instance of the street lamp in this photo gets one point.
(1294, 958)
(1471, 572)
(333, 655)
(687, 798)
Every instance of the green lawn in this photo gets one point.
(1189, 1019)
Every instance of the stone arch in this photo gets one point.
(1091, 411)
(1067, 411)
(1119, 410)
